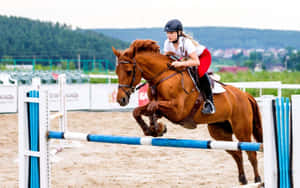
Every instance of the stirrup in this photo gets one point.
(210, 105)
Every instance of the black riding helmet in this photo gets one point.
(174, 25)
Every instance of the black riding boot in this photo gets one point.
(204, 85)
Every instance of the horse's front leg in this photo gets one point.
(137, 114)
(173, 109)
(157, 128)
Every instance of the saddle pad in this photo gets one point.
(218, 88)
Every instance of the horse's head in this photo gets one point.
(128, 71)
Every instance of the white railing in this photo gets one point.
(261, 85)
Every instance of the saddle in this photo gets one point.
(216, 86)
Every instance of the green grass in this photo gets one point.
(102, 81)
(284, 77)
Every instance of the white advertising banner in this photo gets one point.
(77, 96)
(8, 99)
(103, 97)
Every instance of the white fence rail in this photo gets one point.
(261, 85)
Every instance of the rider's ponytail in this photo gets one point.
(191, 38)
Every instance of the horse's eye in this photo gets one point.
(128, 73)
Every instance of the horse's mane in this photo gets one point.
(138, 46)
(149, 47)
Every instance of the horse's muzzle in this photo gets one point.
(123, 101)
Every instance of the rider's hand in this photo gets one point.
(177, 64)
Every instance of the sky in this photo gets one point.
(88, 14)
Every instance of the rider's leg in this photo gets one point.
(204, 85)
(204, 82)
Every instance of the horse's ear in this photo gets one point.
(116, 52)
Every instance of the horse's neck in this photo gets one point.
(151, 65)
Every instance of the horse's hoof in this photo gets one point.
(165, 129)
(257, 179)
(154, 134)
(152, 131)
(162, 129)
(243, 179)
(149, 132)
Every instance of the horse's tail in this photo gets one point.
(257, 123)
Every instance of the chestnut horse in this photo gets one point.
(172, 95)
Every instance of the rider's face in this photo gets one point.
(172, 36)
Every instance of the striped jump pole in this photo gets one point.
(163, 142)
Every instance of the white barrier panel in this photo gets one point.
(8, 99)
(103, 97)
(296, 139)
(270, 168)
(77, 96)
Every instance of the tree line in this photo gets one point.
(25, 38)
(216, 37)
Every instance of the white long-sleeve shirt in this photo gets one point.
(185, 47)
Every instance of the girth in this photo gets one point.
(189, 119)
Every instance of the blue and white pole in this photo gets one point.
(163, 142)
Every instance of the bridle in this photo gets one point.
(130, 86)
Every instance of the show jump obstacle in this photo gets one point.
(61, 115)
(34, 135)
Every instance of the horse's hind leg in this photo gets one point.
(245, 136)
(253, 160)
(222, 131)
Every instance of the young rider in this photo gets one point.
(184, 46)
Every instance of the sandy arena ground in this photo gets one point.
(112, 165)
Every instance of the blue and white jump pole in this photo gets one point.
(34, 135)
(164, 142)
